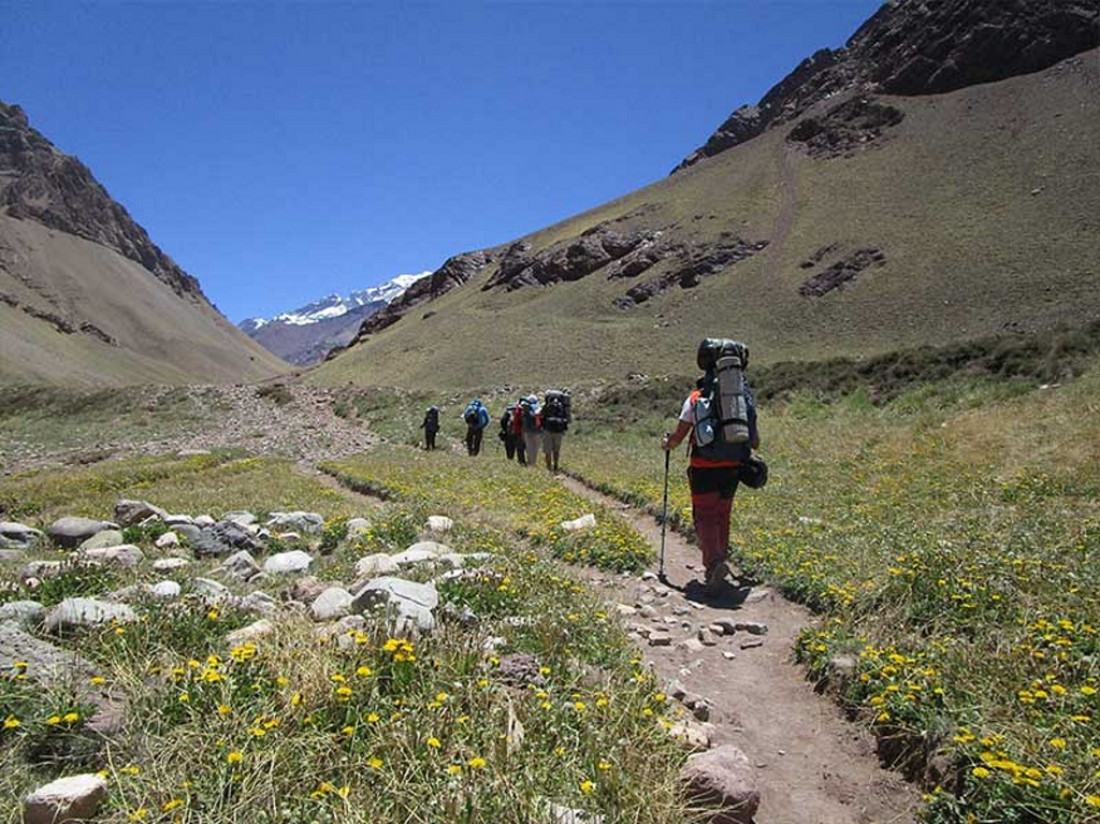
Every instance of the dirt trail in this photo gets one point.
(813, 767)
(788, 204)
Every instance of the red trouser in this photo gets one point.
(712, 491)
(711, 514)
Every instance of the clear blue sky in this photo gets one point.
(283, 151)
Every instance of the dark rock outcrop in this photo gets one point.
(841, 272)
(852, 124)
(916, 47)
(689, 264)
(454, 272)
(570, 261)
(40, 183)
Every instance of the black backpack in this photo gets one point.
(555, 411)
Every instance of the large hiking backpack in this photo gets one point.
(470, 414)
(555, 411)
(721, 412)
(532, 420)
(506, 421)
(515, 422)
(431, 419)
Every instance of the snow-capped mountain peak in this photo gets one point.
(335, 305)
(305, 335)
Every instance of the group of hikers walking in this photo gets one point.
(525, 426)
(719, 418)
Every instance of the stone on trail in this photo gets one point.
(587, 521)
(128, 513)
(73, 613)
(287, 562)
(752, 627)
(70, 532)
(691, 734)
(722, 780)
(72, 798)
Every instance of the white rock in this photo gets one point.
(334, 602)
(252, 632)
(83, 612)
(440, 523)
(587, 521)
(165, 589)
(357, 527)
(169, 564)
(286, 562)
(167, 540)
(73, 798)
(374, 565)
(125, 555)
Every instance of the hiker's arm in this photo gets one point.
(670, 442)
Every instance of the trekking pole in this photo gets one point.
(664, 517)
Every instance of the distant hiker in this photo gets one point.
(720, 416)
(430, 426)
(477, 418)
(507, 436)
(532, 427)
(516, 428)
(556, 415)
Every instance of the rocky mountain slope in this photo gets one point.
(916, 188)
(85, 295)
(918, 48)
(306, 335)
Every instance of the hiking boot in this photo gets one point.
(716, 576)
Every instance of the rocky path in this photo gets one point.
(813, 766)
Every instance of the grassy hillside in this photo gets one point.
(981, 202)
(76, 312)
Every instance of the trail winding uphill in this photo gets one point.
(812, 766)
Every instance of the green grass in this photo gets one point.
(356, 727)
(949, 539)
(219, 482)
(529, 501)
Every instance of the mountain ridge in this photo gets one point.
(86, 297)
(920, 48)
(307, 335)
(870, 222)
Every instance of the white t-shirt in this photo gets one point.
(686, 413)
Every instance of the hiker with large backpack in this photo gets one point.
(720, 417)
(507, 436)
(476, 416)
(531, 423)
(430, 426)
(556, 416)
(515, 427)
